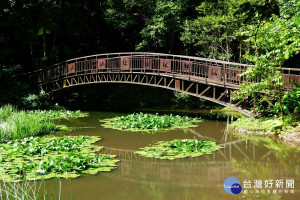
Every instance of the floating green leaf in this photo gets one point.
(179, 149)
(149, 122)
(47, 157)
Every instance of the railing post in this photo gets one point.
(144, 64)
(130, 62)
(119, 62)
(172, 64)
(158, 64)
(189, 69)
(107, 62)
(224, 74)
(254, 104)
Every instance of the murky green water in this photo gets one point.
(139, 178)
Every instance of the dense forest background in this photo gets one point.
(36, 34)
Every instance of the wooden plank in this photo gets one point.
(142, 79)
(159, 81)
(177, 84)
(189, 87)
(237, 104)
(150, 79)
(222, 95)
(170, 83)
(205, 91)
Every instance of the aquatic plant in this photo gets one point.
(25, 190)
(149, 122)
(47, 157)
(16, 124)
(179, 149)
(55, 114)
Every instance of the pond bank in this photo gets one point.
(289, 133)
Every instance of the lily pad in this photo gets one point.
(48, 157)
(179, 149)
(150, 122)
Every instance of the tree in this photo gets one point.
(273, 42)
(213, 33)
(128, 18)
(161, 29)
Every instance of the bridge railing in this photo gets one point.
(202, 69)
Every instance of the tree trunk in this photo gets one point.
(31, 54)
(171, 41)
(280, 104)
(240, 55)
(44, 44)
(227, 48)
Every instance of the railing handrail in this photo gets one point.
(160, 54)
(224, 72)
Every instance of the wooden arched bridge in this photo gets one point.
(213, 80)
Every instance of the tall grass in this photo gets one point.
(15, 124)
(20, 191)
(28, 190)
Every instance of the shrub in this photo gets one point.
(290, 103)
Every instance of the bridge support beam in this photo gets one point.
(215, 93)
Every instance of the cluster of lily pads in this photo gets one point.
(47, 157)
(179, 149)
(34, 158)
(149, 122)
(55, 114)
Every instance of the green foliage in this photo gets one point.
(12, 88)
(213, 33)
(38, 100)
(149, 122)
(165, 22)
(41, 30)
(181, 98)
(36, 34)
(291, 104)
(127, 14)
(179, 149)
(268, 125)
(35, 101)
(56, 114)
(272, 42)
(48, 157)
(16, 124)
(154, 25)
(265, 125)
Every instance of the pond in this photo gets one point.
(190, 178)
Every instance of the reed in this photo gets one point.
(15, 124)
(26, 190)
(29, 190)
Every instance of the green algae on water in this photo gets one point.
(37, 158)
(179, 149)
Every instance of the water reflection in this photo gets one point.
(246, 158)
